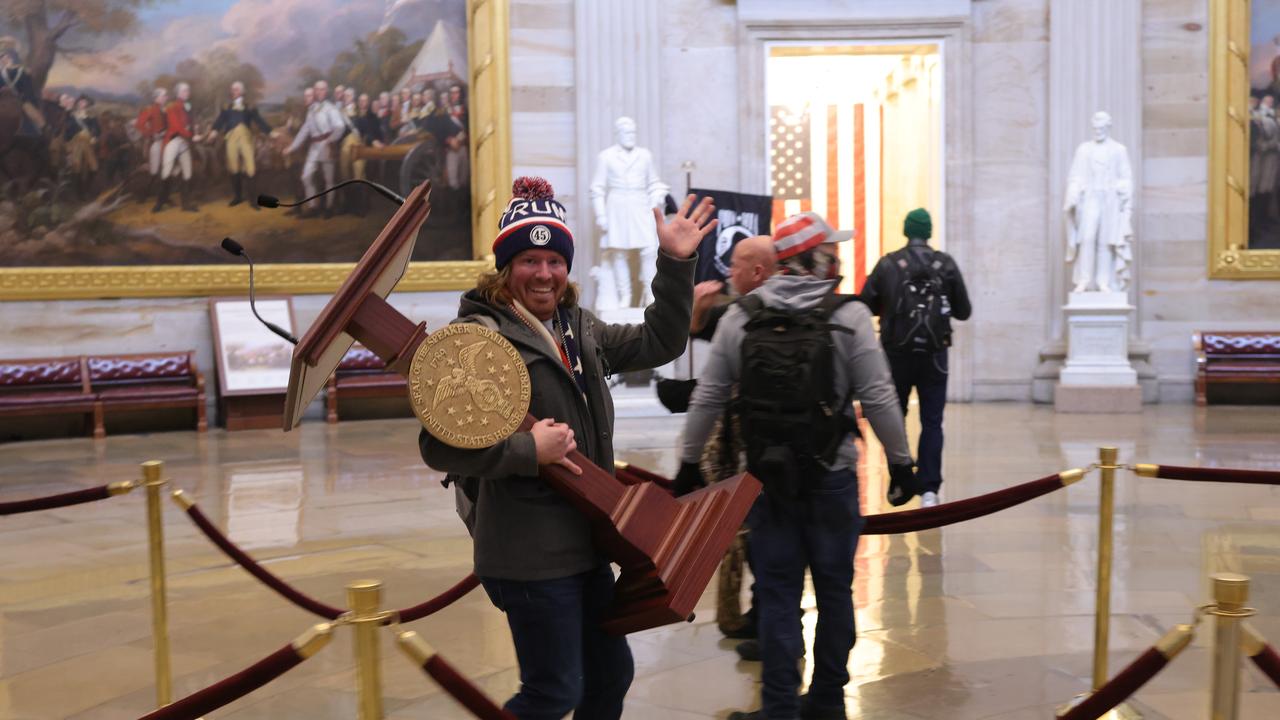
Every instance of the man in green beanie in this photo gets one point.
(916, 291)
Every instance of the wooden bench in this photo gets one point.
(362, 374)
(1235, 357)
(48, 386)
(146, 381)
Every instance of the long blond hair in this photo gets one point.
(492, 286)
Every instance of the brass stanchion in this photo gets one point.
(1230, 591)
(1108, 463)
(152, 481)
(363, 599)
(1107, 458)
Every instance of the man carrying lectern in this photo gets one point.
(534, 552)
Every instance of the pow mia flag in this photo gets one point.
(741, 216)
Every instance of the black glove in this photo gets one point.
(902, 484)
(688, 479)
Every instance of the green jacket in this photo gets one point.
(524, 530)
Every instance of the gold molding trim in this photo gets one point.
(1229, 257)
(487, 46)
(489, 56)
(68, 283)
(484, 65)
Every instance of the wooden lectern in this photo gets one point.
(668, 548)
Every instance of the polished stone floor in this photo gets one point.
(988, 619)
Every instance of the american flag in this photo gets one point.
(819, 160)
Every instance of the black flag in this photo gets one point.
(741, 216)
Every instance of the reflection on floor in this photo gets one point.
(988, 619)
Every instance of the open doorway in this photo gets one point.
(854, 132)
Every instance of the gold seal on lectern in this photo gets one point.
(468, 386)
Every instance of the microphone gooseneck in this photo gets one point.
(271, 201)
(236, 248)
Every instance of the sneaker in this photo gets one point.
(808, 711)
(748, 650)
(929, 499)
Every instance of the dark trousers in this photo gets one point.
(567, 663)
(928, 375)
(821, 534)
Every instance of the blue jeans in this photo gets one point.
(928, 374)
(567, 663)
(821, 534)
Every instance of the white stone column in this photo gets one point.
(1095, 63)
(619, 72)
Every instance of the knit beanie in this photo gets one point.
(918, 224)
(533, 219)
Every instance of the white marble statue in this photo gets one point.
(624, 191)
(1098, 208)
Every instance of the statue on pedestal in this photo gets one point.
(624, 191)
(1099, 210)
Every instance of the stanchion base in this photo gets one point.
(1123, 711)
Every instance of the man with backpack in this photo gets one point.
(916, 291)
(800, 354)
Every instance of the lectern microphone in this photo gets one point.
(271, 201)
(236, 248)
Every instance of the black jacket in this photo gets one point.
(523, 529)
(880, 292)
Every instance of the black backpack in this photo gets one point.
(921, 318)
(790, 416)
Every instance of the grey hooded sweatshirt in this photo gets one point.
(860, 364)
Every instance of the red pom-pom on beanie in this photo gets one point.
(532, 188)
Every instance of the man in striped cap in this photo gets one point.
(793, 337)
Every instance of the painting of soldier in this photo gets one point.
(143, 133)
(1264, 125)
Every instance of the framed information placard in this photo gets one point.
(253, 362)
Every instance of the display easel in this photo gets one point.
(251, 361)
(668, 548)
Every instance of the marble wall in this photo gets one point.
(1006, 263)
(543, 98)
(1006, 268)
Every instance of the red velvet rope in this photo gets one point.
(960, 510)
(253, 568)
(1268, 661)
(230, 689)
(1120, 687)
(1178, 472)
(464, 691)
(74, 497)
(441, 601)
(633, 475)
(922, 518)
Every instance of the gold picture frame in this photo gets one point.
(490, 150)
(1230, 257)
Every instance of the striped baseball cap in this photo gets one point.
(805, 231)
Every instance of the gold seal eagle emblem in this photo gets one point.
(468, 386)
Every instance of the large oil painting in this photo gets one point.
(139, 133)
(1244, 140)
(1264, 126)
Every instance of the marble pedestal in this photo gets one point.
(1097, 376)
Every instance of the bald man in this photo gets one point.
(754, 261)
